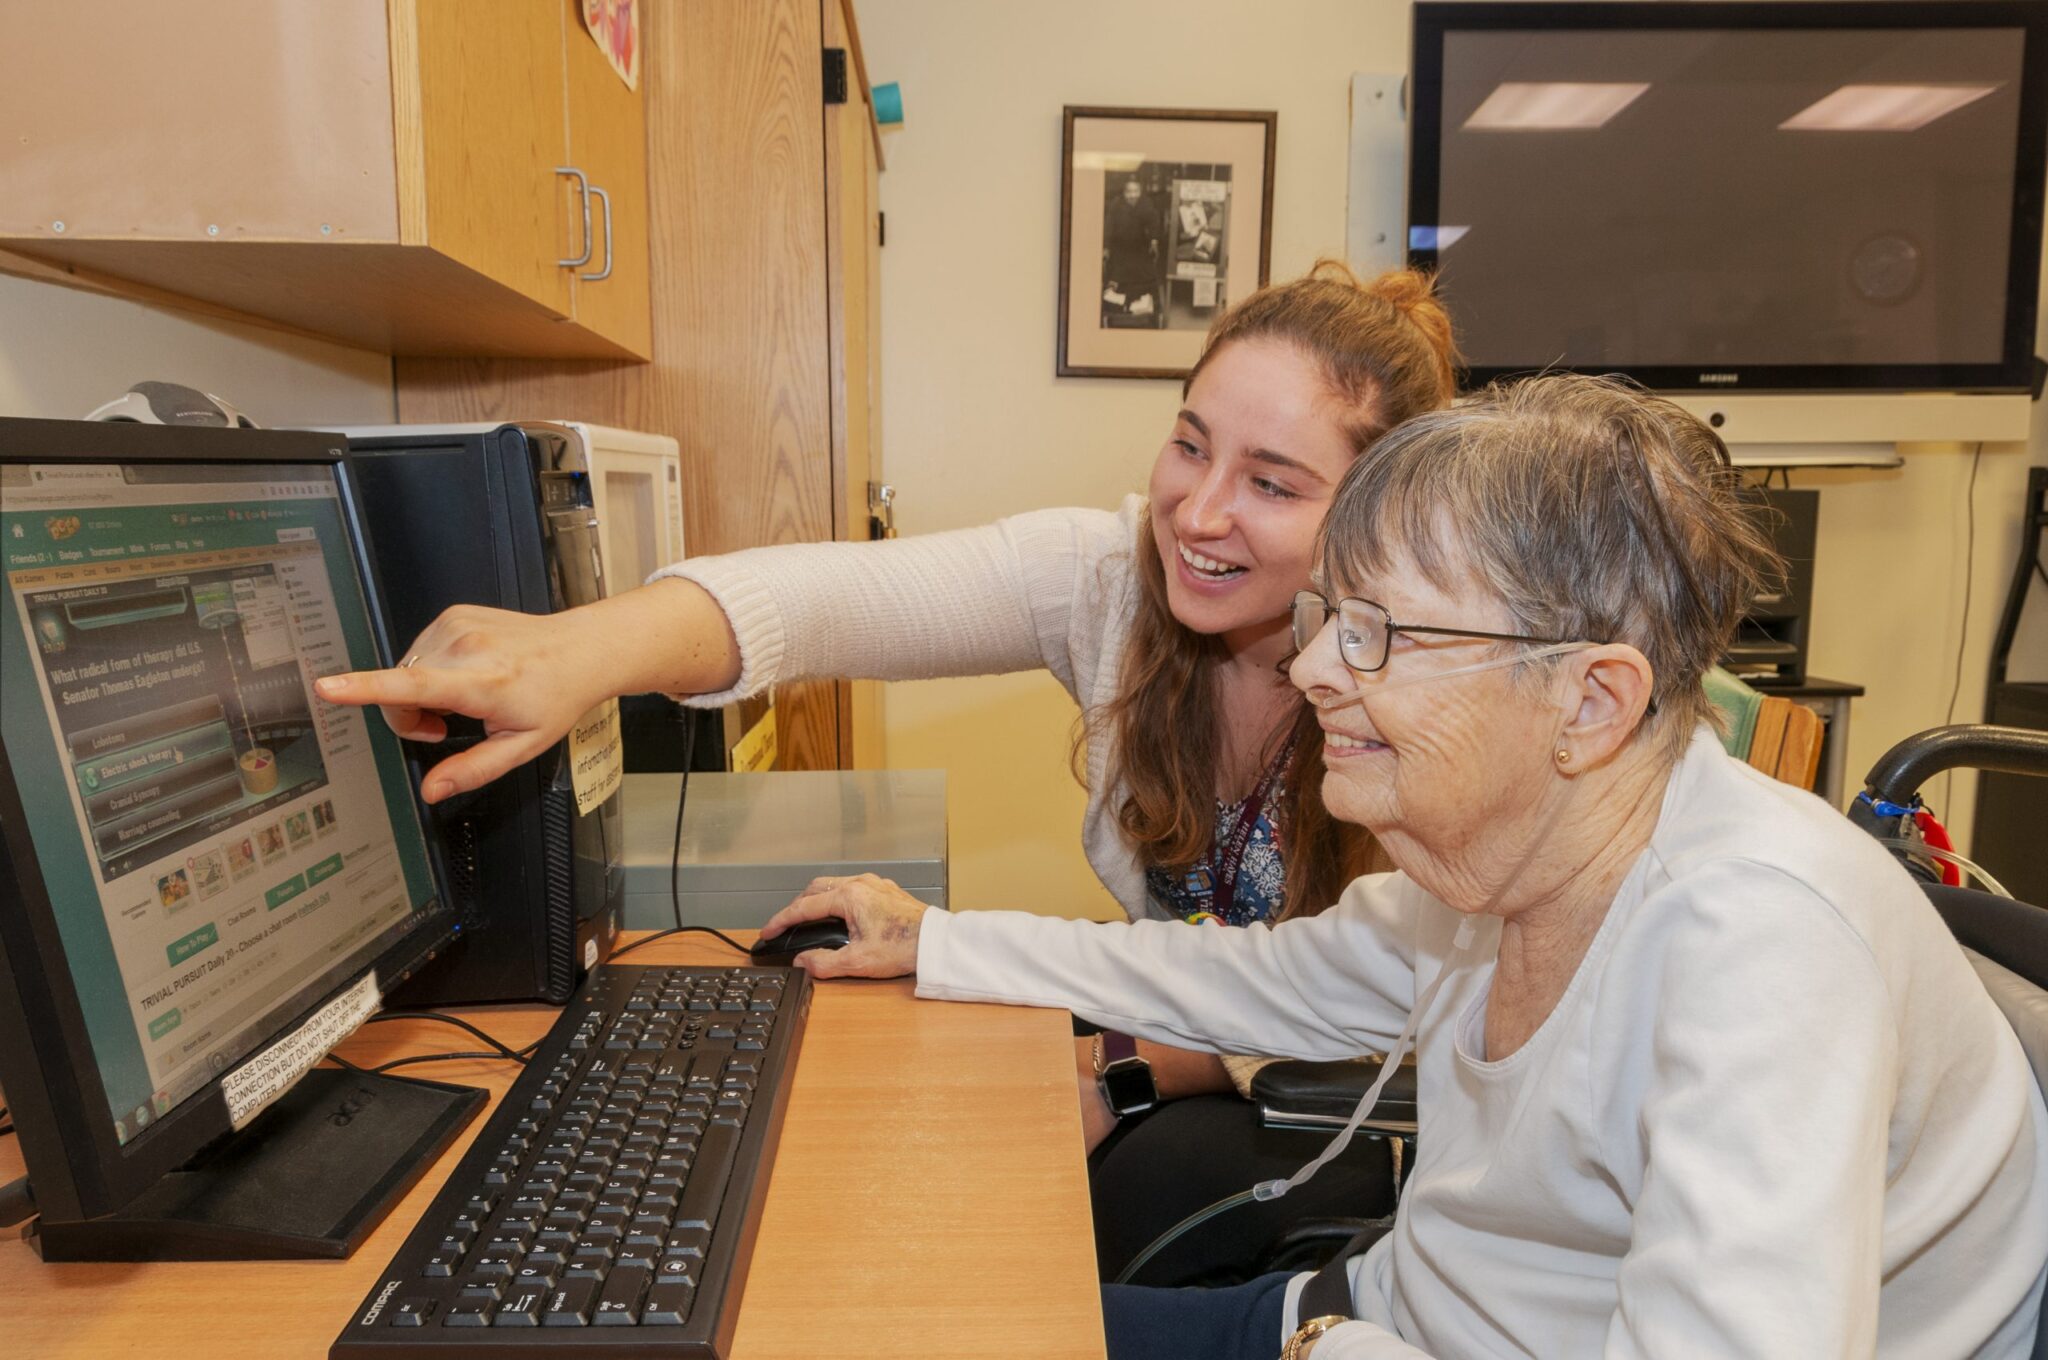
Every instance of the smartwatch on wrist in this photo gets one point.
(1125, 1078)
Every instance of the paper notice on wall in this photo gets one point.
(597, 756)
(614, 25)
(268, 1075)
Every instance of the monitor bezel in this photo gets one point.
(61, 1111)
(1434, 19)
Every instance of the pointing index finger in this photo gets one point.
(403, 687)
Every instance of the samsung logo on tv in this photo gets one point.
(1723, 378)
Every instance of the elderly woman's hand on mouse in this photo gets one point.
(882, 924)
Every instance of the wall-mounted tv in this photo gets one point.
(1752, 196)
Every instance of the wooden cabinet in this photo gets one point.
(762, 208)
(386, 174)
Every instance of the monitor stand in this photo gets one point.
(309, 1177)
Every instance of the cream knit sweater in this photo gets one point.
(1051, 589)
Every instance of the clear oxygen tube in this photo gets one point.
(1498, 663)
(1461, 942)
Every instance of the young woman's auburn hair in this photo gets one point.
(1386, 351)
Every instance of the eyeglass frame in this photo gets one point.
(1335, 609)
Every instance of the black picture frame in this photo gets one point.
(1152, 326)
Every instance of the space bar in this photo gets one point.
(705, 1189)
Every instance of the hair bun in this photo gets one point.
(1407, 290)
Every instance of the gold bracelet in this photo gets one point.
(1309, 1331)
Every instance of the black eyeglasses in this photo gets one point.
(1365, 630)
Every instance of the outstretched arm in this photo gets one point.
(528, 677)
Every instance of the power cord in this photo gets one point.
(675, 861)
(1963, 642)
(503, 1050)
(499, 1051)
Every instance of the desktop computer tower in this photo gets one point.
(502, 517)
(1771, 641)
(636, 487)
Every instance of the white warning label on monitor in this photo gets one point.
(271, 1073)
(597, 757)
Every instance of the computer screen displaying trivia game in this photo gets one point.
(220, 847)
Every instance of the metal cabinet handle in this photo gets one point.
(605, 272)
(583, 190)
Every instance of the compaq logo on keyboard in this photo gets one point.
(1722, 378)
(383, 1297)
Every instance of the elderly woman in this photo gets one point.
(1709, 1078)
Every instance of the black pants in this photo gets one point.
(1241, 1323)
(1156, 1169)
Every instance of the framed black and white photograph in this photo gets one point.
(1166, 218)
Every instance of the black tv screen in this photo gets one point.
(1707, 196)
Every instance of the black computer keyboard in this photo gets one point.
(609, 1205)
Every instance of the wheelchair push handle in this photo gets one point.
(1900, 772)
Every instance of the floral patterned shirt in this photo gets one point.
(1190, 893)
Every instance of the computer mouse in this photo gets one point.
(777, 951)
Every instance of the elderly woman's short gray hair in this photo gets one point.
(1591, 509)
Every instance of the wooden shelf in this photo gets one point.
(394, 299)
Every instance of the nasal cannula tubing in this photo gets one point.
(1496, 664)
(1468, 929)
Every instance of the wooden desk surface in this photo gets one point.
(929, 1197)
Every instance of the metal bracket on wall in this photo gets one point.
(1375, 230)
(835, 75)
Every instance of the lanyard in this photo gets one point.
(1228, 856)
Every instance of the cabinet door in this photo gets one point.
(493, 130)
(608, 142)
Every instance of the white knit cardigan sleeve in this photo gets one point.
(1044, 589)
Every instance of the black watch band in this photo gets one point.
(1125, 1078)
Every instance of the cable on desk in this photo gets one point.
(478, 1054)
(504, 1050)
(675, 863)
(499, 1050)
(17, 1202)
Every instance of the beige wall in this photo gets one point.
(64, 351)
(978, 427)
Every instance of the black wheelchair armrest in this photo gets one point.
(1294, 1094)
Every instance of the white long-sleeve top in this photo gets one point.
(1051, 589)
(1775, 1114)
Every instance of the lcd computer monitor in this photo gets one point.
(208, 875)
(1714, 197)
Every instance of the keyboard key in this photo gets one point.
(706, 1188)
(619, 1303)
(495, 1263)
(668, 1304)
(411, 1312)
(570, 1304)
(469, 1312)
(443, 1262)
(521, 1308)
